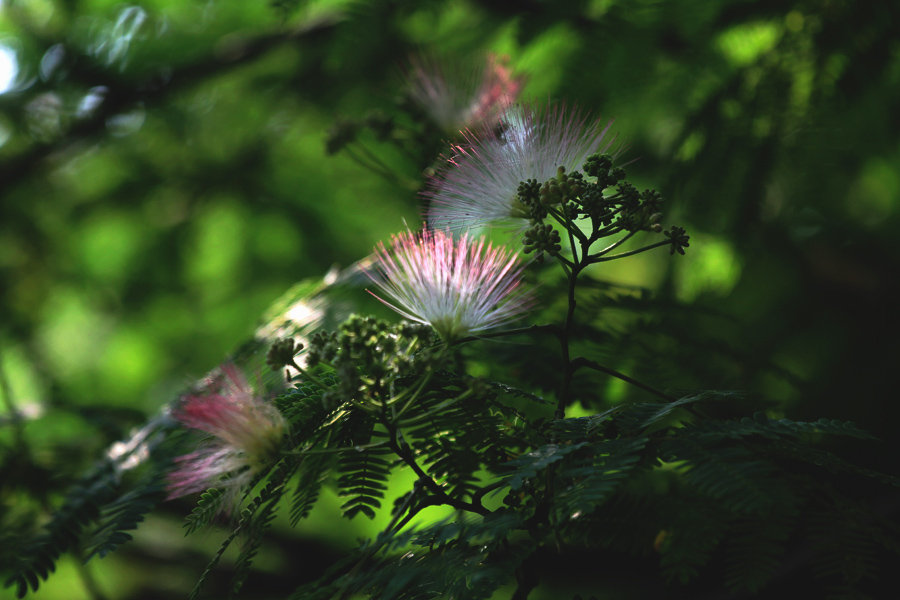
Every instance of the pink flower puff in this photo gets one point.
(459, 287)
(478, 184)
(458, 96)
(244, 433)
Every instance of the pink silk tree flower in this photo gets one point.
(244, 433)
(478, 184)
(459, 287)
(458, 96)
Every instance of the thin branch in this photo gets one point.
(564, 345)
(405, 453)
(482, 492)
(415, 510)
(123, 96)
(611, 247)
(526, 577)
(367, 161)
(597, 258)
(332, 450)
(584, 362)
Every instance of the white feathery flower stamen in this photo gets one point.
(458, 95)
(479, 182)
(458, 286)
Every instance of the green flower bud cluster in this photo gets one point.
(599, 194)
(642, 209)
(528, 197)
(678, 238)
(371, 357)
(282, 353)
(562, 188)
(541, 238)
(600, 166)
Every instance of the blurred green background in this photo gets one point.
(163, 180)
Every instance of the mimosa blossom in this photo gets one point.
(479, 182)
(456, 97)
(244, 432)
(459, 287)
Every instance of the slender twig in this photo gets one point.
(612, 229)
(427, 414)
(565, 263)
(584, 362)
(155, 89)
(415, 394)
(373, 157)
(482, 492)
(564, 346)
(405, 454)
(402, 510)
(366, 163)
(596, 259)
(526, 577)
(571, 230)
(604, 231)
(612, 246)
(380, 167)
(566, 222)
(308, 375)
(429, 501)
(333, 450)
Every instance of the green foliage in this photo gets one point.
(636, 478)
(94, 519)
(594, 475)
(38, 559)
(363, 480)
(121, 515)
(254, 519)
(208, 506)
(599, 492)
(168, 169)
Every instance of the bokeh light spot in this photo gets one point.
(9, 68)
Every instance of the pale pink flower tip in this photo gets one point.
(479, 182)
(244, 432)
(458, 96)
(459, 287)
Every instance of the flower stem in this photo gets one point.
(584, 362)
(331, 450)
(564, 345)
(612, 246)
(405, 453)
(308, 375)
(598, 258)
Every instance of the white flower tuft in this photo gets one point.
(459, 287)
(479, 182)
(456, 95)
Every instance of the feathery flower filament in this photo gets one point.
(457, 97)
(244, 432)
(479, 182)
(459, 287)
